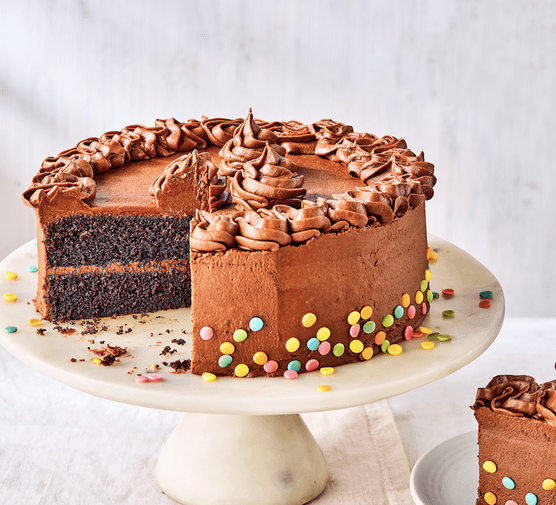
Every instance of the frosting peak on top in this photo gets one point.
(519, 396)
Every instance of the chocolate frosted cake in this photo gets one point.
(297, 246)
(517, 441)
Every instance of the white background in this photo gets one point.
(471, 83)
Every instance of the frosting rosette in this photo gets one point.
(212, 233)
(220, 130)
(261, 230)
(519, 396)
(267, 181)
(308, 222)
(345, 211)
(294, 136)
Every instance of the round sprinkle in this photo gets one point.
(448, 293)
(327, 370)
(308, 320)
(548, 484)
(324, 388)
(406, 300)
(444, 337)
(96, 361)
(311, 365)
(10, 297)
(225, 361)
(294, 365)
(484, 304)
(426, 331)
(531, 499)
(388, 321)
(354, 317)
(241, 370)
(292, 344)
(369, 327)
(354, 330)
(508, 483)
(366, 312)
(489, 466)
(418, 334)
(290, 374)
(270, 366)
(154, 377)
(35, 322)
(323, 333)
(428, 275)
(256, 324)
(395, 349)
(227, 348)
(313, 344)
(10, 276)
(140, 379)
(511, 502)
(380, 337)
(486, 294)
(384, 346)
(398, 312)
(424, 285)
(490, 498)
(411, 311)
(208, 377)
(240, 335)
(408, 333)
(419, 297)
(10, 329)
(430, 296)
(435, 295)
(206, 333)
(424, 308)
(367, 353)
(260, 358)
(448, 314)
(324, 348)
(339, 350)
(356, 346)
(429, 252)
(427, 345)
(32, 268)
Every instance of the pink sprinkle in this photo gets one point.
(354, 330)
(270, 366)
(311, 365)
(206, 333)
(408, 333)
(324, 348)
(511, 502)
(424, 307)
(141, 378)
(154, 377)
(290, 374)
(411, 311)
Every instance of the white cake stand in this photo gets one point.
(243, 441)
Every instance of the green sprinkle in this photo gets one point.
(388, 321)
(384, 346)
(448, 314)
(424, 285)
(369, 327)
(240, 335)
(338, 350)
(430, 296)
(444, 338)
(433, 335)
(10, 329)
(486, 294)
(435, 295)
(398, 312)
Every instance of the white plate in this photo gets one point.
(448, 474)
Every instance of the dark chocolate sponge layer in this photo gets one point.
(101, 240)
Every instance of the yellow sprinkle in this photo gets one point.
(10, 276)
(406, 300)
(241, 370)
(292, 344)
(428, 275)
(548, 484)
(154, 366)
(208, 377)
(96, 361)
(354, 317)
(323, 333)
(427, 345)
(366, 312)
(489, 466)
(429, 252)
(367, 353)
(395, 349)
(308, 320)
(356, 346)
(433, 257)
(324, 388)
(35, 322)
(327, 370)
(227, 348)
(260, 358)
(490, 498)
(10, 297)
(419, 297)
(380, 337)
(426, 331)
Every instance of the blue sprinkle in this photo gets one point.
(313, 344)
(294, 365)
(225, 360)
(32, 268)
(256, 324)
(10, 329)
(531, 499)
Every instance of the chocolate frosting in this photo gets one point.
(519, 396)
(212, 233)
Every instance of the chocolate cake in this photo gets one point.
(297, 246)
(517, 441)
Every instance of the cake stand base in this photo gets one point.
(213, 459)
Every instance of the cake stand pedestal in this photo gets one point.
(243, 441)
